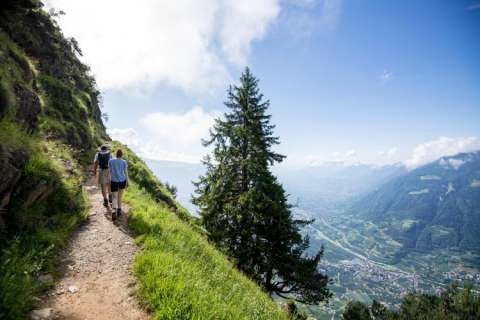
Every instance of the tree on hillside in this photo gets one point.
(243, 206)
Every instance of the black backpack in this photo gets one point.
(103, 159)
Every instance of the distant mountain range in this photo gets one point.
(434, 206)
(331, 187)
(323, 188)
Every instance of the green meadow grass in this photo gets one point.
(182, 276)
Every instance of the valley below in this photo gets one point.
(361, 257)
(358, 260)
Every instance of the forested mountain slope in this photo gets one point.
(434, 206)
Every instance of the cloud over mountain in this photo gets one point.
(443, 146)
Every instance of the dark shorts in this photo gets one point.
(115, 186)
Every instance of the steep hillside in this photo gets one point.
(434, 206)
(50, 126)
(45, 94)
(50, 122)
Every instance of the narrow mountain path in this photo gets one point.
(96, 280)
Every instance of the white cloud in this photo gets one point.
(386, 76)
(171, 136)
(456, 163)
(185, 43)
(443, 146)
(243, 22)
(350, 154)
(390, 153)
(127, 136)
(181, 129)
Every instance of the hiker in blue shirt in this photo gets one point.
(101, 161)
(119, 181)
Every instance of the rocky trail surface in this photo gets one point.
(96, 281)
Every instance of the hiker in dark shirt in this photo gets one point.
(101, 161)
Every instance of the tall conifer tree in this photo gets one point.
(243, 206)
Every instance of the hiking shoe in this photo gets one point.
(105, 203)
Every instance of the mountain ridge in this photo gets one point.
(436, 205)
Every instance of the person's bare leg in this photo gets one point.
(104, 191)
(114, 202)
(109, 188)
(119, 199)
(114, 205)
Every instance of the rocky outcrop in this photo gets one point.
(11, 168)
(28, 107)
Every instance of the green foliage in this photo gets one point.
(66, 115)
(14, 138)
(356, 311)
(14, 66)
(182, 276)
(34, 55)
(18, 265)
(172, 189)
(243, 206)
(293, 312)
(454, 303)
(7, 99)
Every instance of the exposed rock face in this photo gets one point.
(11, 167)
(28, 107)
(38, 192)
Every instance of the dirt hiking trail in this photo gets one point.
(96, 281)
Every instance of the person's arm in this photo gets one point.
(95, 165)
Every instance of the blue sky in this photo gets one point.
(354, 81)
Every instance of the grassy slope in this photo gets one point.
(181, 275)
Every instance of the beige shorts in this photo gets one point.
(103, 177)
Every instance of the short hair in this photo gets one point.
(119, 153)
(104, 148)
